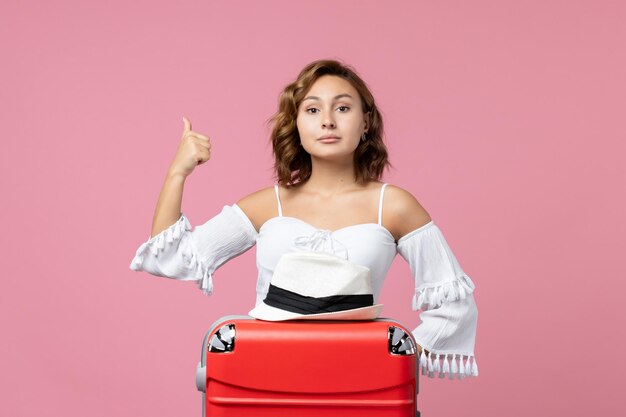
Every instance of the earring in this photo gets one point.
(363, 138)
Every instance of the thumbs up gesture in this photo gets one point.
(194, 149)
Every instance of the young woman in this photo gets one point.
(328, 197)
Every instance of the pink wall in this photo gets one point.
(502, 118)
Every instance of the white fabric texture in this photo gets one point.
(367, 244)
(179, 253)
(444, 294)
(442, 290)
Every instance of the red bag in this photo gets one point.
(308, 368)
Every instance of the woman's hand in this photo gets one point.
(194, 149)
(420, 350)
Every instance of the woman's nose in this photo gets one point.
(328, 121)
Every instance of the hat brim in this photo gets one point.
(269, 313)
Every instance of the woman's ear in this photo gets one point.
(366, 119)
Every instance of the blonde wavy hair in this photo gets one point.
(292, 163)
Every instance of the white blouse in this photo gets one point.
(442, 290)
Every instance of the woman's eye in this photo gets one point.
(311, 110)
(344, 107)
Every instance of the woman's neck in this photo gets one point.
(330, 177)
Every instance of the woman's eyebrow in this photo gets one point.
(336, 97)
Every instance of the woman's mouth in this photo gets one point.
(329, 139)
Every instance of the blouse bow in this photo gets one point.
(322, 241)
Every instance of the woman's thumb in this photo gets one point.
(187, 123)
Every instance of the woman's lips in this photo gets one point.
(330, 139)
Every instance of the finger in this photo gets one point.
(198, 136)
(203, 158)
(199, 141)
(187, 126)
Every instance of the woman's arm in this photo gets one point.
(175, 249)
(168, 208)
(443, 291)
(194, 149)
(259, 206)
(402, 213)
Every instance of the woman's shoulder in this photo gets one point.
(259, 206)
(402, 212)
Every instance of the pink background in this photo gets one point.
(503, 119)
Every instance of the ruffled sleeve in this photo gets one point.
(180, 253)
(444, 293)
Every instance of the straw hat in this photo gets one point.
(318, 286)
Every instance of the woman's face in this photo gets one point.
(331, 107)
